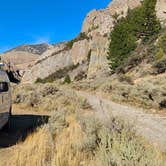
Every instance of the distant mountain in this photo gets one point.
(32, 48)
(23, 56)
(17, 60)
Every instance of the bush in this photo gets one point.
(58, 122)
(125, 78)
(159, 54)
(67, 79)
(39, 80)
(131, 62)
(81, 36)
(160, 66)
(57, 75)
(90, 126)
(163, 104)
(162, 42)
(49, 90)
(140, 23)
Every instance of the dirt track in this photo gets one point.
(150, 126)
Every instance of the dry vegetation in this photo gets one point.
(75, 136)
(147, 92)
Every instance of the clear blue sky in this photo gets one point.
(38, 21)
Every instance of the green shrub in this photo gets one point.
(57, 75)
(162, 43)
(159, 54)
(89, 55)
(140, 23)
(125, 148)
(125, 78)
(67, 79)
(81, 36)
(163, 104)
(39, 80)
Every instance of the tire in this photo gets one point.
(8, 124)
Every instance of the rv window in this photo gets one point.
(4, 87)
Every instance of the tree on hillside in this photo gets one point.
(140, 23)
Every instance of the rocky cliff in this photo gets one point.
(90, 50)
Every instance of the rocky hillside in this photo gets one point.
(17, 60)
(83, 57)
(22, 56)
(88, 51)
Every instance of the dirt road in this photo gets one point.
(150, 126)
(22, 124)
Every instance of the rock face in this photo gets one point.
(102, 21)
(23, 56)
(161, 11)
(89, 54)
(44, 68)
(80, 51)
(18, 60)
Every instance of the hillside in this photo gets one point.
(104, 92)
(90, 46)
(22, 56)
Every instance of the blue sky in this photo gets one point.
(38, 21)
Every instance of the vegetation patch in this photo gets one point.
(67, 79)
(160, 66)
(57, 75)
(140, 24)
(90, 141)
(81, 36)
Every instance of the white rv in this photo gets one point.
(5, 99)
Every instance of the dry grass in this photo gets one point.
(75, 136)
(68, 146)
(37, 150)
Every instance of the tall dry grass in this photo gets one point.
(74, 137)
(37, 150)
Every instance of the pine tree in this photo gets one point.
(140, 23)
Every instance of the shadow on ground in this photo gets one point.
(20, 127)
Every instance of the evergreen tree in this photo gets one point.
(140, 23)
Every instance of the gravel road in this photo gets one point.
(150, 126)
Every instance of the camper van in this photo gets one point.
(5, 99)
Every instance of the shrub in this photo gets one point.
(89, 56)
(160, 66)
(49, 90)
(131, 62)
(57, 74)
(58, 122)
(81, 36)
(163, 104)
(162, 42)
(159, 54)
(67, 79)
(125, 148)
(39, 80)
(125, 78)
(90, 126)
